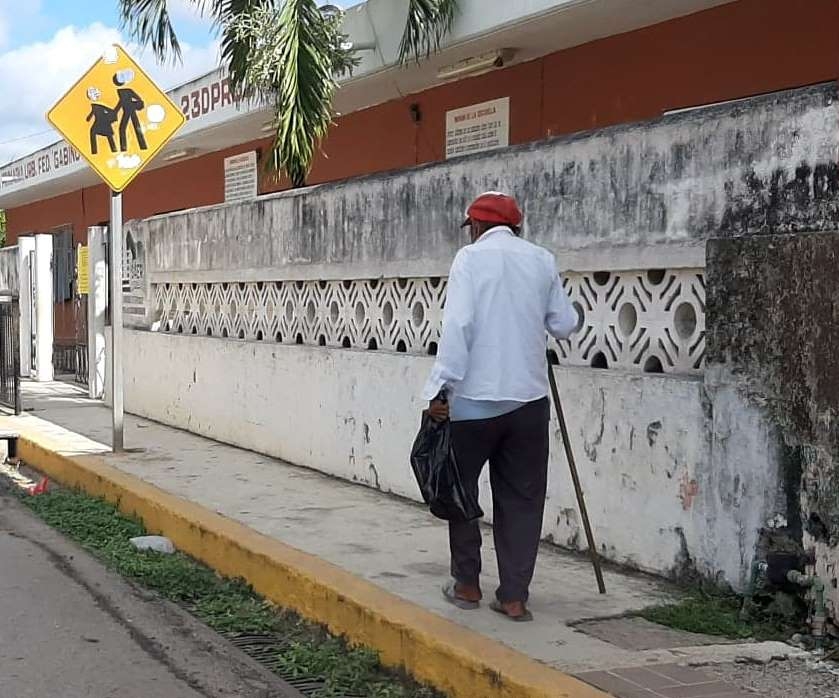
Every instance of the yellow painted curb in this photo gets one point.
(455, 660)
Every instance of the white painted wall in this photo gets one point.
(44, 308)
(26, 246)
(680, 472)
(827, 567)
(9, 271)
(97, 303)
(743, 476)
(641, 441)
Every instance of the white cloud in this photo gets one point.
(197, 60)
(186, 11)
(34, 76)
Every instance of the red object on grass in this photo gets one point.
(41, 488)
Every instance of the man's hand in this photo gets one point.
(438, 410)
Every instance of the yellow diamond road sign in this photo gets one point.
(116, 117)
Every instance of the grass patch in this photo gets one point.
(227, 606)
(719, 614)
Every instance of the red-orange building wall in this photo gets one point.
(737, 50)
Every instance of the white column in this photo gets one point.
(97, 302)
(25, 248)
(44, 306)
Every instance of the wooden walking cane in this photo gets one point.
(581, 500)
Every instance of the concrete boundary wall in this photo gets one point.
(682, 476)
(636, 196)
(643, 442)
(772, 301)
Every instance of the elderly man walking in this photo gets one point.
(490, 380)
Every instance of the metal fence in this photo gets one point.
(10, 355)
(70, 359)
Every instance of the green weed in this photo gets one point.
(228, 606)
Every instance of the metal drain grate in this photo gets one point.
(263, 648)
(266, 650)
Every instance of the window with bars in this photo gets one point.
(63, 265)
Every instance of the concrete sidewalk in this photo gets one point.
(389, 542)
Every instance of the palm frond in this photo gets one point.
(237, 46)
(427, 25)
(148, 22)
(307, 85)
(287, 54)
(293, 56)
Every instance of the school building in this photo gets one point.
(519, 71)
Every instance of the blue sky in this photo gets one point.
(45, 45)
(45, 17)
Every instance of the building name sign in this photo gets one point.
(43, 163)
(206, 99)
(478, 128)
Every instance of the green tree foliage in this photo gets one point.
(288, 54)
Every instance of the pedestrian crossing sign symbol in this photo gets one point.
(116, 117)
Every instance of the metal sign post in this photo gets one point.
(116, 322)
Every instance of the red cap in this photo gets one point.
(494, 207)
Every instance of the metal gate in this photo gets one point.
(10, 354)
(70, 355)
(70, 352)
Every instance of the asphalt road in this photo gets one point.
(71, 629)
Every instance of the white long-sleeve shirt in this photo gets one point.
(503, 294)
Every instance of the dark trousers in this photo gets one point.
(516, 446)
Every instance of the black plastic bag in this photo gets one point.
(437, 474)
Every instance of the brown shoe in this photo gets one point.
(515, 611)
(466, 599)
